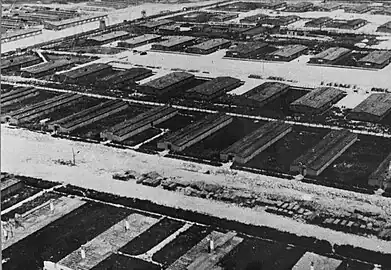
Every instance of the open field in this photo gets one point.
(62, 236)
(93, 130)
(21, 194)
(210, 147)
(355, 165)
(279, 156)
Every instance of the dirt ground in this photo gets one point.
(34, 154)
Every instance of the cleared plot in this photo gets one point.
(93, 130)
(142, 137)
(27, 206)
(119, 262)
(36, 219)
(210, 147)
(280, 155)
(63, 236)
(358, 162)
(102, 246)
(22, 194)
(180, 245)
(260, 254)
(153, 236)
(43, 95)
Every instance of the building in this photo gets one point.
(381, 177)
(59, 25)
(375, 59)
(247, 50)
(84, 75)
(152, 26)
(319, 157)
(10, 186)
(299, 7)
(47, 68)
(287, 53)
(274, 4)
(254, 19)
(318, 261)
(222, 17)
(318, 22)
(354, 24)
(107, 38)
(385, 28)
(213, 88)
(15, 63)
(167, 84)
(265, 93)
(330, 56)
(373, 109)
(248, 147)
(382, 11)
(138, 124)
(18, 94)
(360, 9)
(190, 135)
(328, 6)
(255, 33)
(317, 101)
(170, 29)
(174, 43)
(139, 41)
(209, 46)
(123, 78)
(20, 34)
(35, 111)
(87, 116)
(279, 20)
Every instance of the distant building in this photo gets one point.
(246, 50)
(299, 7)
(317, 101)
(373, 109)
(209, 46)
(15, 63)
(381, 177)
(330, 56)
(376, 59)
(385, 28)
(318, 22)
(20, 34)
(139, 41)
(84, 75)
(152, 26)
(214, 88)
(354, 24)
(47, 68)
(174, 43)
(59, 25)
(10, 186)
(360, 9)
(273, 4)
(265, 93)
(254, 19)
(287, 53)
(107, 38)
(167, 83)
(328, 7)
(222, 17)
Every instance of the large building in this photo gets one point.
(373, 109)
(15, 63)
(10, 186)
(84, 75)
(87, 116)
(123, 78)
(35, 111)
(190, 135)
(248, 147)
(317, 101)
(174, 43)
(47, 68)
(167, 83)
(360, 9)
(138, 124)
(107, 37)
(328, 6)
(287, 53)
(319, 157)
(59, 25)
(381, 177)
(354, 24)
(152, 26)
(20, 34)
(318, 22)
(254, 19)
(247, 50)
(265, 93)
(279, 20)
(330, 56)
(385, 28)
(139, 41)
(222, 17)
(299, 7)
(376, 59)
(18, 94)
(213, 88)
(209, 46)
